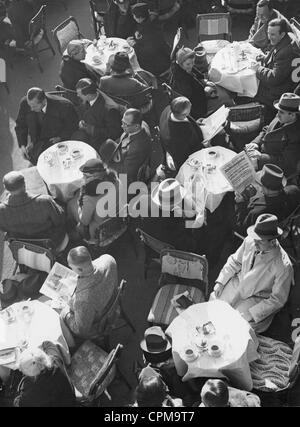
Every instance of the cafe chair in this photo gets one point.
(91, 372)
(152, 248)
(213, 31)
(98, 18)
(3, 74)
(180, 272)
(65, 32)
(244, 123)
(142, 100)
(69, 94)
(277, 369)
(37, 33)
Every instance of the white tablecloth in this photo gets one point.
(229, 70)
(44, 326)
(206, 186)
(104, 51)
(236, 335)
(63, 176)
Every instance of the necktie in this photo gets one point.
(253, 259)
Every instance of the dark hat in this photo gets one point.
(265, 228)
(289, 102)
(30, 285)
(140, 10)
(120, 62)
(155, 343)
(108, 152)
(13, 180)
(8, 292)
(92, 166)
(271, 177)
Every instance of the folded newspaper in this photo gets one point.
(60, 283)
(239, 172)
(213, 124)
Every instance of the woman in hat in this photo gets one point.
(44, 382)
(149, 42)
(188, 81)
(86, 209)
(256, 279)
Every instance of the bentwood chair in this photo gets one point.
(65, 32)
(180, 272)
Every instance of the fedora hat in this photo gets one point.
(155, 341)
(8, 292)
(108, 152)
(168, 194)
(271, 177)
(289, 102)
(265, 228)
(92, 166)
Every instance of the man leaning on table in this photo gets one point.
(256, 279)
(265, 13)
(43, 120)
(274, 71)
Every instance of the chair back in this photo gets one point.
(2, 71)
(37, 23)
(110, 230)
(68, 94)
(295, 26)
(92, 370)
(142, 100)
(192, 268)
(31, 255)
(151, 242)
(211, 25)
(65, 32)
(246, 112)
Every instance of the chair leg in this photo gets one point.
(46, 38)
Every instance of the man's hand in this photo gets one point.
(260, 57)
(218, 289)
(254, 154)
(131, 41)
(254, 65)
(200, 122)
(251, 146)
(55, 140)
(82, 125)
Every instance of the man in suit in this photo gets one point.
(43, 120)
(276, 198)
(99, 120)
(118, 21)
(133, 148)
(265, 13)
(279, 143)
(274, 73)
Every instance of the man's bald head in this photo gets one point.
(14, 181)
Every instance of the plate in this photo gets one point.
(76, 154)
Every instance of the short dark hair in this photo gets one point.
(79, 255)
(215, 393)
(36, 93)
(137, 117)
(281, 23)
(265, 3)
(87, 86)
(151, 392)
(179, 104)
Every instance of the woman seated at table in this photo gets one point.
(44, 382)
(187, 80)
(82, 209)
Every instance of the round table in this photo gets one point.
(205, 185)
(230, 68)
(60, 170)
(104, 50)
(44, 325)
(237, 338)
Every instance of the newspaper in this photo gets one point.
(239, 172)
(60, 283)
(213, 124)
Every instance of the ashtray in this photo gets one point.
(76, 154)
(96, 60)
(62, 148)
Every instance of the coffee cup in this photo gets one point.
(189, 354)
(215, 350)
(212, 154)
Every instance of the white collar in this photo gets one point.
(44, 109)
(94, 100)
(177, 120)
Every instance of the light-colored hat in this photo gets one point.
(288, 102)
(74, 47)
(271, 177)
(265, 228)
(168, 194)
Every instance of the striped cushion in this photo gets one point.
(162, 311)
(212, 27)
(270, 372)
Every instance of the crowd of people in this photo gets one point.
(256, 279)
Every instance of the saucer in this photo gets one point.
(215, 349)
(189, 357)
(96, 60)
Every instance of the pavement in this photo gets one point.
(139, 292)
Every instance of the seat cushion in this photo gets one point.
(270, 372)
(162, 311)
(245, 126)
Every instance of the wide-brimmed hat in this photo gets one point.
(120, 62)
(155, 344)
(289, 102)
(265, 228)
(109, 153)
(140, 10)
(168, 194)
(271, 177)
(183, 54)
(8, 292)
(92, 166)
